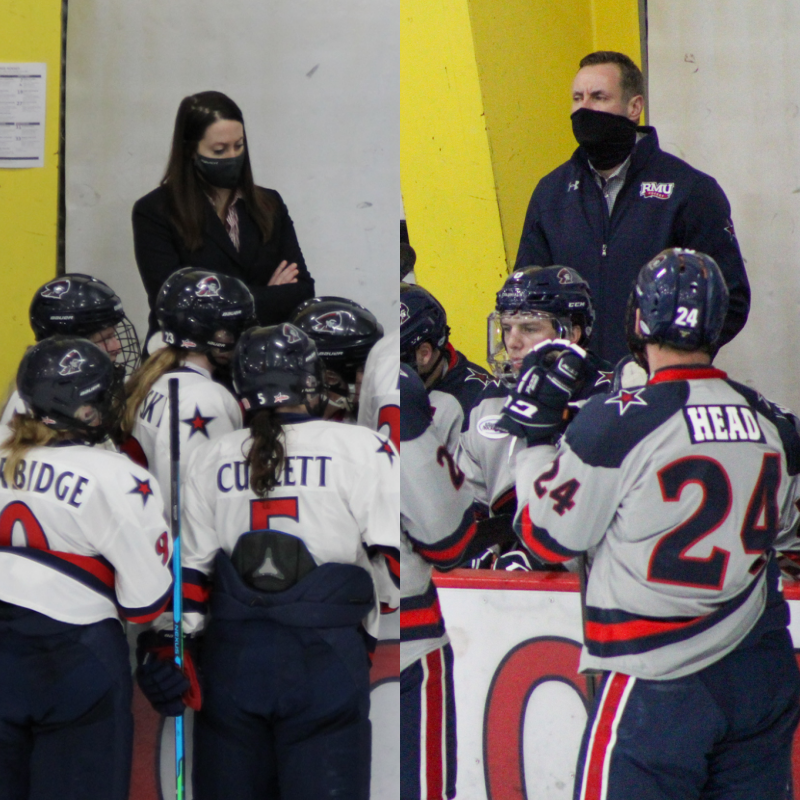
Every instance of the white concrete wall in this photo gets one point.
(318, 84)
(725, 96)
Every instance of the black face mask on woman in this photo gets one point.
(224, 173)
(607, 138)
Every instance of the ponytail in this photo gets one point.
(139, 384)
(265, 458)
(26, 433)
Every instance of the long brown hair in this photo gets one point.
(142, 380)
(187, 190)
(26, 433)
(267, 452)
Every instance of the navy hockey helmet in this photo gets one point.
(422, 319)
(82, 305)
(559, 291)
(343, 331)
(70, 384)
(278, 366)
(194, 306)
(682, 299)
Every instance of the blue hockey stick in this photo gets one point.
(177, 596)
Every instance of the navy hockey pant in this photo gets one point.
(428, 728)
(65, 713)
(724, 733)
(285, 713)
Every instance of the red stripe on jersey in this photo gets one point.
(191, 591)
(413, 618)
(434, 699)
(683, 374)
(90, 564)
(452, 553)
(603, 730)
(635, 629)
(150, 615)
(536, 547)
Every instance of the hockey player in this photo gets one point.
(685, 487)
(452, 381)
(80, 305)
(344, 333)
(436, 523)
(82, 540)
(534, 305)
(282, 514)
(201, 315)
(379, 408)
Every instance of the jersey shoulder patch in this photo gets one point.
(608, 427)
(415, 407)
(783, 419)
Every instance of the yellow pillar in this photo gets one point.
(484, 114)
(30, 32)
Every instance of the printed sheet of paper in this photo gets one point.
(22, 108)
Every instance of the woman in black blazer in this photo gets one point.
(208, 213)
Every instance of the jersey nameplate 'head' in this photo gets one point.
(422, 319)
(278, 366)
(194, 306)
(559, 291)
(70, 384)
(682, 297)
(343, 331)
(81, 305)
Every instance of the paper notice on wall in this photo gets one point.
(22, 107)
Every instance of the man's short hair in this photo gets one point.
(631, 79)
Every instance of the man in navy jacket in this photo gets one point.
(620, 200)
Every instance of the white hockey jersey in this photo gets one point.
(85, 538)
(436, 521)
(486, 454)
(338, 493)
(379, 404)
(684, 485)
(207, 410)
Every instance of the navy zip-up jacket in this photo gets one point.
(664, 202)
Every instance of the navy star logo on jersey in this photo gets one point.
(198, 423)
(625, 399)
(605, 377)
(386, 448)
(474, 375)
(143, 489)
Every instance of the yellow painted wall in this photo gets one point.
(484, 114)
(30, 31)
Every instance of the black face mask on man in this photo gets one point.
(607, 138)
(224, 173)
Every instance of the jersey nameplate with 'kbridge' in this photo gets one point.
(722, 424)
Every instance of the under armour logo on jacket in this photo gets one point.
(573, 185)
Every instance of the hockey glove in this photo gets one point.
(552, 374)
(168, 689)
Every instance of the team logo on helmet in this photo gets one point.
(564, 276)
(290, 333)
(404, 314)
(208, 287)
(280, 398)
(71, 363)
(56, 289)
(327, 323)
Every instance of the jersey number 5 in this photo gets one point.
(669, 562)
(262, 512)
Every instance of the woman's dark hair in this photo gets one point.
(266, 454)
(187, 190)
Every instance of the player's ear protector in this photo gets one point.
(271, 561)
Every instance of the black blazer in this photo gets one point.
(160, 251)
